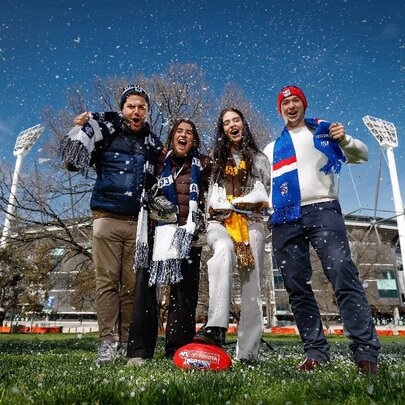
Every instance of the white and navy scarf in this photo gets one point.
(76, 148)
(141, 258)
(286, 195)
(172, 242)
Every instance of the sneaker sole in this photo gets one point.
(207, 341)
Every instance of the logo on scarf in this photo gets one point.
(88, 130)
(284, 188)
(149, 167)
(196, 161)
(193, 188)
(165, 181)
(151, 140)
(324, 139)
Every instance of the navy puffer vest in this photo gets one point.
(119, 162)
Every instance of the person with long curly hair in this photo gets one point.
(238, 192)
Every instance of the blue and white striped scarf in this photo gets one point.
(172, 242)
(286, 195)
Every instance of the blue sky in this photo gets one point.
(347, 56)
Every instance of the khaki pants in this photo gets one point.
(113, 255)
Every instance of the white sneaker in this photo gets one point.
(218, 199)
(107, 352)
(136, 361)
(122, 350)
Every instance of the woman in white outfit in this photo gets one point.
(239, 187)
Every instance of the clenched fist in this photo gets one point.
(337, 132)
(82, 119)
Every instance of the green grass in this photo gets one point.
(55, 369)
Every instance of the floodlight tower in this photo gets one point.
(386, 135)
(23, 145)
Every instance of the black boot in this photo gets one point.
(211, 335)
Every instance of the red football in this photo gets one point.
(197, 356)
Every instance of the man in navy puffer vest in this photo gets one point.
(119, 159)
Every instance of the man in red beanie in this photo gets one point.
(305, 210)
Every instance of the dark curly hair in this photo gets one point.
(196, 137)
(221, 149)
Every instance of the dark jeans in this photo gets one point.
(322, 225)
(180, 328)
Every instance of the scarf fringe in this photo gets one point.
(333, 166)
(165, 272)
(141, 254)
(141, 258)
(287, 214)
(182, 242)
(244, 255)
(75, 153)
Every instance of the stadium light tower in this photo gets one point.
(386, 135)
(23, 145)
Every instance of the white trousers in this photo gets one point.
(220, 269)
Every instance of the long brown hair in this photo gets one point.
(221, 149)
(196, 137)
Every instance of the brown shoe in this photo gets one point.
(367, 367)
(308, 364)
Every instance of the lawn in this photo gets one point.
(55, 369)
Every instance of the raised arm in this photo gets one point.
(354, 150)
(82, 119)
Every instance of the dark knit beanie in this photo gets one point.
(291, 91)
(133, 89)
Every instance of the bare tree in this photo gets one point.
(180, 92)
(41, 222)
(372, 258)
(53, 204)
(233, 96)
(24, 279)
(83, 285)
